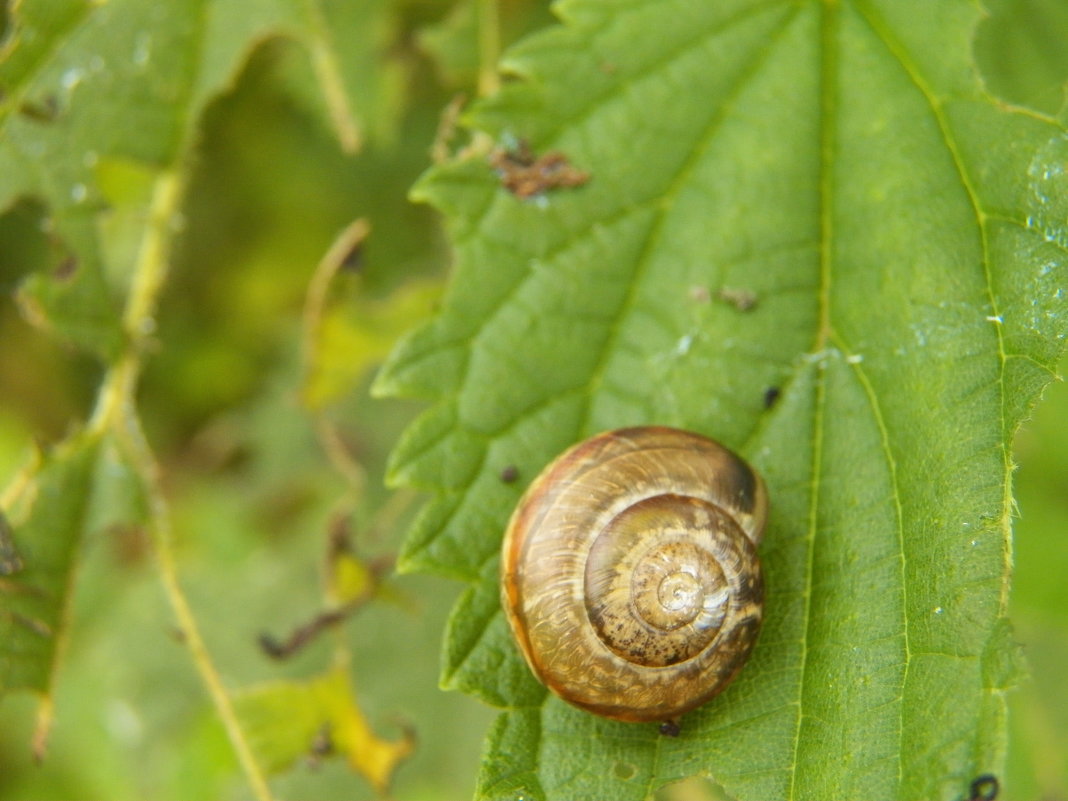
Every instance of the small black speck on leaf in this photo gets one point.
(670, 728)
(984, 788)
(66, 268)
(44, 110)
(10, 561)
(353, 260)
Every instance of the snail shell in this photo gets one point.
(629, 572)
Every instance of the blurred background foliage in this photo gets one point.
(256, 498)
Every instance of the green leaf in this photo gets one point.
(85, 85)
(1020, 50)
(453, 44)
(80, 487)
(35, 599)
(903, 238)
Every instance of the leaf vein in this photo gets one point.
(616, 89)
(667, 200)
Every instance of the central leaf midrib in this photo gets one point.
(827, 335)
(828, 107)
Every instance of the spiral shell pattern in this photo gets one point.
(629, 572)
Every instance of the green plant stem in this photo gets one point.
(162, 536)
(346, 243)
(489, 47)
(116, 412)
(328, 71)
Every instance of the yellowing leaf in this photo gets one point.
(288, 721)
(355, 337)
(350, 578)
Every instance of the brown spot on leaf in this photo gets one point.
(352, 262)
(66, 268)
(322, 746)
(742, 299)
(525, 174)
(10, 561)
(44, 110)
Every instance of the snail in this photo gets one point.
(629, 572)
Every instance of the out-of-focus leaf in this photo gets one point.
(350, 579)
(365, 41)
(48, 532)
(118, 497)
(288, 721)
(904, 239)
(356, 336)
(125, 80)
(1021, 50)
(453, 44)
(10, 561)
(1038, 748)
(126, 189)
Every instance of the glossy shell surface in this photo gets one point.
(629, 572)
